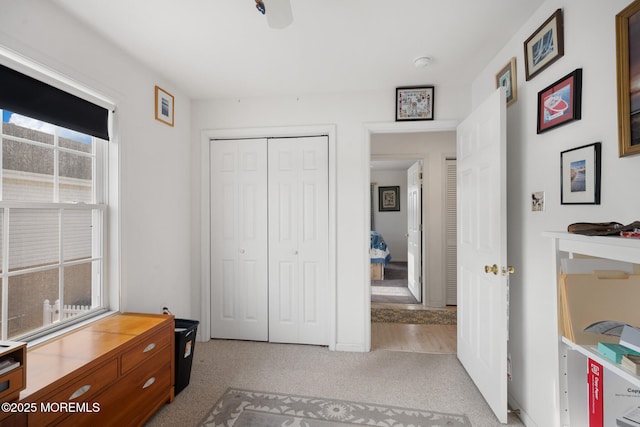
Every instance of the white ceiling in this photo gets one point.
(225, 49)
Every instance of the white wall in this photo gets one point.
(155, 159)
(391, 224)
(533, 162)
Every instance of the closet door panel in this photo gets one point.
(239, 240)
(298, 235)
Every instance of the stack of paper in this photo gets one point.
(630, 337)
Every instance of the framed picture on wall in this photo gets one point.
(164, 106)
(389, 199)
(507, 77)
(628, 62)
(414, 103)
(545, 46)
(580, 175)
(561, 102)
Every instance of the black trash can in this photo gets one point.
(185, 331)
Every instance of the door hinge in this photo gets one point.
(420, 176)
(420, 227)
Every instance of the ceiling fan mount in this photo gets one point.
(278, 12)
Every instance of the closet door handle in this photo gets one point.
(295, 252)
(241, 251)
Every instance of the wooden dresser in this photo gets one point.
(116, 371)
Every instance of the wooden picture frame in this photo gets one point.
(628, 78)
(164, 106)
(560, 102)
(507, 77)
(545, 46)
(414, 103)
(389, 199)
(580, 171)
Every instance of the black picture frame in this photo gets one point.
(580, 172)
(389, 199)
(561, 102)
(415, 103)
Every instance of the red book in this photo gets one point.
(596, 383)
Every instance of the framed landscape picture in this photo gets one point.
(561, 102)
(628, 62)
(580, 175)
(545, 46)
(414, 103)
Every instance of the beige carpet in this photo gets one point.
(430, 382)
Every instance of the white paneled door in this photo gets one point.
(239, 239)
(269, 222)
(414, 229)
(298, 240)
(482, 250)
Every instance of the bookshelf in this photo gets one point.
(573, 359)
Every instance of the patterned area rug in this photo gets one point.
(414, 317)
(245, 408)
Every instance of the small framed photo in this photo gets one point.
(388, 199)
(414, 103)
(628, 64)
(561, 102)
(580, 175)
(164, 106)
(507, 77)
(544, 46)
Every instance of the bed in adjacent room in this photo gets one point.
(379, 254)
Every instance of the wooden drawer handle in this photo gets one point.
(149, 382)
(149, 347)
(79, 392)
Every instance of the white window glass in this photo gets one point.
(51, 226)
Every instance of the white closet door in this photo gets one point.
(239, 301)
(298, 240)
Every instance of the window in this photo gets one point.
(52, 234)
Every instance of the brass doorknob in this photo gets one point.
(508, 270)
(491, 269)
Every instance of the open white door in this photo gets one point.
(482, 250)
(414, 229)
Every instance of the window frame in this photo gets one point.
(105, 161)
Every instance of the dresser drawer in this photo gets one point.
(84, 389)
(147, 348)
(129, 400)
(13, 383)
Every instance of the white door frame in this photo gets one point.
(271, 132)
(386, 128)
